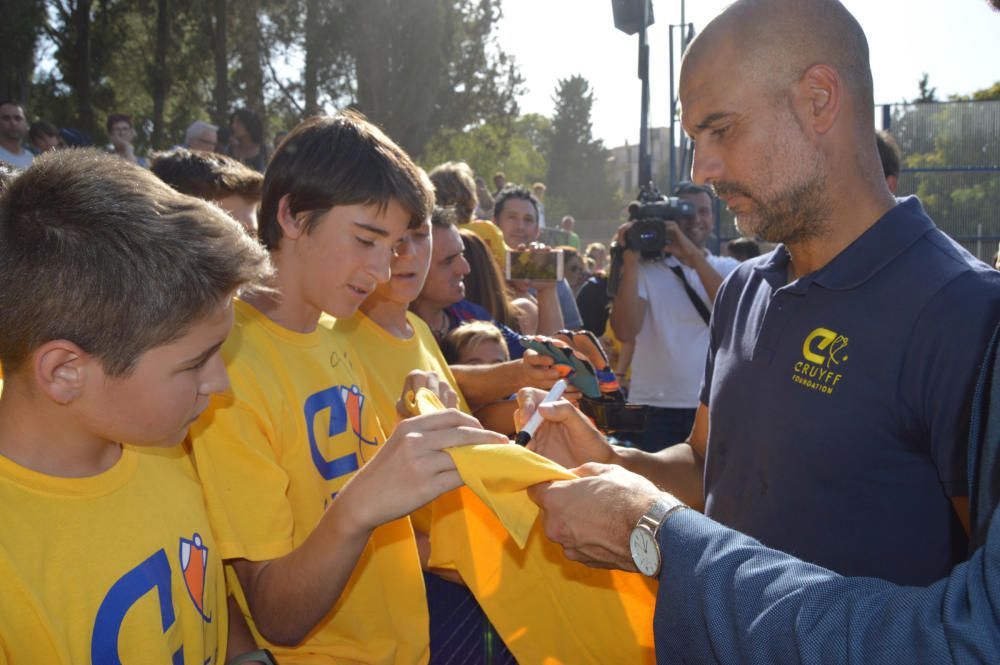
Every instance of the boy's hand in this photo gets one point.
(566, 435)
(411, 468)
(539, 370)
(432, 381)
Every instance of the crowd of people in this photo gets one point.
(242, 385)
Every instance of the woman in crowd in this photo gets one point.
(485, 286)
(247, 139)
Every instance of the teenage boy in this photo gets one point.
(308, 497)
(115, 296)
(225, 181)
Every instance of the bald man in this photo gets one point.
(836, 397)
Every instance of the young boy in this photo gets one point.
(475, 343)
(313, 520)
(226, 182)
(115, 296)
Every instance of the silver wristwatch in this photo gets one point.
(643, 540)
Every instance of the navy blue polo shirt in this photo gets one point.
(839, 403)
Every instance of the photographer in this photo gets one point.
(663, 303)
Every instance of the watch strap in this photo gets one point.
(658, 513)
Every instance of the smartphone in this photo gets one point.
(544, 265)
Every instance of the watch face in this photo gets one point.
(645, 551)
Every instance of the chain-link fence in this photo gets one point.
(951, 160)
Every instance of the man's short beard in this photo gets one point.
(796, 215)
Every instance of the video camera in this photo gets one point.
(648, 233)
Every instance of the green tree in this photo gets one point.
(927, 94)
(416, 67)
(955, 148)
(421, 66)
(518, 149)
(578, 181)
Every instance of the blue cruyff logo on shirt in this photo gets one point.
(345, 405)
(152, 575)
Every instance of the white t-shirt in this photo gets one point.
(670, 348)
(21, 161)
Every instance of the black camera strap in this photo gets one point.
(696, 300)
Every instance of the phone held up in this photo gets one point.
(536, 265)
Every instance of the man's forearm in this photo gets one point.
(710, 278)
(627, 307)
(550, 318)
(482, 384)
(677, 469)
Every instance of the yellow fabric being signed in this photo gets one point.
(546, 608)
(498, 473)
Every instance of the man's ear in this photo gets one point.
(61, 370)
(821, 89)
(292, 226)
(893, 182)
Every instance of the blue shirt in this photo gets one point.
(767, 607)
(839, 403)
(466, 310)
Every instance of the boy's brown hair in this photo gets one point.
(98, 251)
(340, 160)
(468, 336)
(207, 175)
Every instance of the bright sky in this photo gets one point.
(957, 42)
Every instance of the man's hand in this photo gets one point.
(566, 435)
(629, 256)
(432, 381)
(411, 468)
(681, 246)
(592, 516)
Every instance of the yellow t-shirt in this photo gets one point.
(546, 608)
(294, 427)
(118, 567)
(388, 359)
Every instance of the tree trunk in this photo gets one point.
(159, 78)
(221, 92)
(81, 74)
(18, 34)
(251, 71)
(310, 82)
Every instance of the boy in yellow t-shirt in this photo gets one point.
(307, 495)
(115, 296)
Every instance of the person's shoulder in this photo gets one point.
(742, 271)
(945, 262)
(723, 264)
(469, 311)
(743, 275)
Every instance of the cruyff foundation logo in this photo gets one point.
(824, 352)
